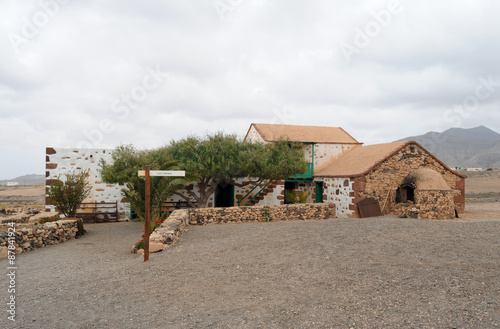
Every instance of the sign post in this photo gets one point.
(147, 174)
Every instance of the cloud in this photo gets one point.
(84, 74)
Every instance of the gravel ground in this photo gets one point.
(381, 272)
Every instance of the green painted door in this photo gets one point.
(319, 192)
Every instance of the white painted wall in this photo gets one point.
(254, 136)
(339, 194)
(73, 160)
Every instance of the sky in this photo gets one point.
(100, 74)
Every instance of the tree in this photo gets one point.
(223, 158)
(127, 161)
(208, 162)
(68, 196)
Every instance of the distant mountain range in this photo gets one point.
(464, 148)
(26, 180)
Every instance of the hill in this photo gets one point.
(477, 147)
(26, 180)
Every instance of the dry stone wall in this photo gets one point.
(261, 213)
(40, 236)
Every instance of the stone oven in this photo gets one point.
(425, 194)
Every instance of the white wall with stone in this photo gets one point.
(62, 161)
(339, 191)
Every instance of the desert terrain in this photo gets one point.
(383, 272)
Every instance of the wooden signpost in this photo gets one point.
(148, 173)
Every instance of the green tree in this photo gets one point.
(127, 161)
(220, 158)
(68, 196)
(208, 162)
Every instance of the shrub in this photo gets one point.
(68, 196)
(156, 223)
(292, 197)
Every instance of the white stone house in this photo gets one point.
(340, 171)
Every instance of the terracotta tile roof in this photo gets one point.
(307, 134)
(360, 160)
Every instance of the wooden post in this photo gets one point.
(148, 173)
(147, 215)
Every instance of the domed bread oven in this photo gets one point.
(425, 194)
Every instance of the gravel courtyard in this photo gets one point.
(380, 272)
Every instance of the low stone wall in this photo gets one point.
(305, 211)
(29, 238)
(429, 204)
(171, 230)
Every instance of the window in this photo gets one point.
(405, 193)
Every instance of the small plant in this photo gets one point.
(140, 244)
(155, 224)
(68, 196)
(81, 230)
(292, 197)
(266, 214)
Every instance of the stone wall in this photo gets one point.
(429, 204)
(306, 211)
(382, 182)
(39, 236)
(339, 191)
(61, 161)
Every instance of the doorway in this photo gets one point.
(224, 195)
(319, 192)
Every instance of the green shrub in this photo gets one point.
(68, 196)
(81, 229)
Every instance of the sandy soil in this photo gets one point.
(483, 186)
(383, 272)
(22, 195)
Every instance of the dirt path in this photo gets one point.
(357, 273)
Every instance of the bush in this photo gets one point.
(68, 196)
(156, 223)
(81, 230)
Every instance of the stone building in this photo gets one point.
(393, 174)
(343, 171)
(402, 177)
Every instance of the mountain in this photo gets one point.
(26, 180)
(465, 148)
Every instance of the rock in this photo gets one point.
(4, 252)
(156, 247)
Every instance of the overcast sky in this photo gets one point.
(104, 73)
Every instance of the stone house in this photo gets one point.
(402, 177)
(344, 172)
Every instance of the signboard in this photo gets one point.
(163, 173)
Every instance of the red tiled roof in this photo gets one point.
(306, 134)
